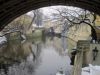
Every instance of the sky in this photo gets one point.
(49, 10)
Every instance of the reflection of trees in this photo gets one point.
(62, 45)
(12, 52)
(33, 58)
(35, 50)
(14, 57)
(57, 44)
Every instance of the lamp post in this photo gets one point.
(95, 52)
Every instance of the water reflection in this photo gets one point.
(35, 57)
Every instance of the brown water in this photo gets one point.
(35, 57)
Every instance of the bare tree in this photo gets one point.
(33, 11)
(38, 18)
(75, 18)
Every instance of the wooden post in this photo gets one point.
(82, 46)
(78, 63)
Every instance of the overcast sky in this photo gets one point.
(49, 10)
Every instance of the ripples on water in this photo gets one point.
(35, 57)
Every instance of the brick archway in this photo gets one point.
(11, 9)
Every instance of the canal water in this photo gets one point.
(36, 56)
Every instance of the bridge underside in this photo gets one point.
(11, 9)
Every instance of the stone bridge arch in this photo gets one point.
(11, 9)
